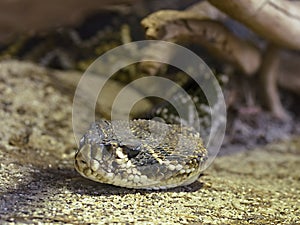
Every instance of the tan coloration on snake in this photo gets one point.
(142, 154)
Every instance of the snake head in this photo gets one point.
(101, 154)
(130, 157)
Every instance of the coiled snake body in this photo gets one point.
(140, 154)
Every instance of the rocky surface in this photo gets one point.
(38, 182)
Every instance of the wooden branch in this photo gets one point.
(268, 82)
(190, 26)
(276, 21)
(206, 10)
(289, 72)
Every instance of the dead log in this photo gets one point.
(190, 26)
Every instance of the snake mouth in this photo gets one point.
(89, 167)
(82, 159)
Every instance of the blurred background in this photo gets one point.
(70, 35)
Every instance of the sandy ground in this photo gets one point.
(38, 183)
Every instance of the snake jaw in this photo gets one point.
(88, 166)
(82, 160)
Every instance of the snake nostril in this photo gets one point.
(83, 162)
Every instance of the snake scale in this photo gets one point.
(143, 154)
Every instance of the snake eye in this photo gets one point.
(108, 148)
(131, 152)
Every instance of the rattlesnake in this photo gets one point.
(143, 154)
